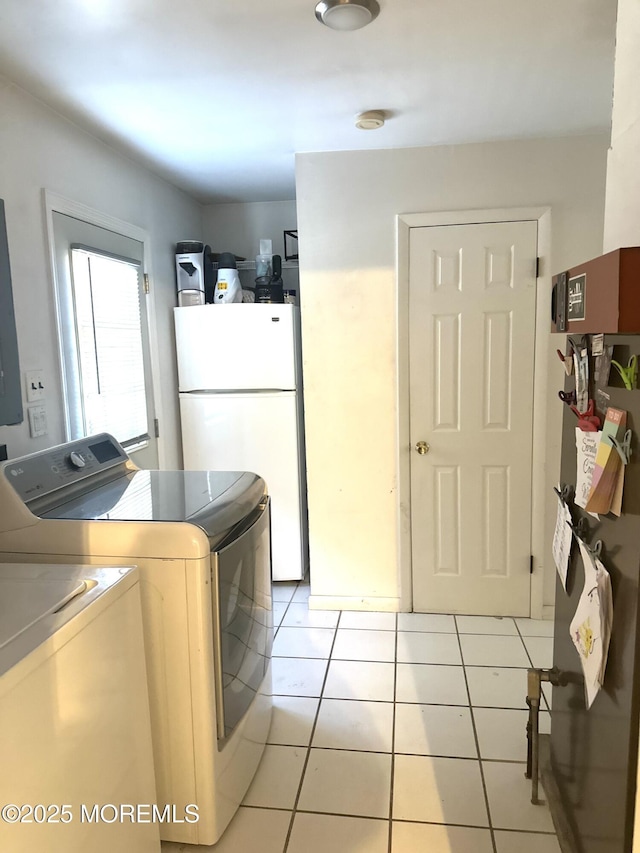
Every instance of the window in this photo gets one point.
(111, 394)
(104, 336)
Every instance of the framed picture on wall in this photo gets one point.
(291, 245)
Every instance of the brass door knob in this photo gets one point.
(422, 447)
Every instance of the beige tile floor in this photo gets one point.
(395, 734)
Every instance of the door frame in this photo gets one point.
(54, 203)
(404, 224)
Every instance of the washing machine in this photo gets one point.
(201, 541)
(74, 711)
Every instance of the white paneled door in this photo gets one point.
(472, 294)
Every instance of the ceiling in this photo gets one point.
(218, 95)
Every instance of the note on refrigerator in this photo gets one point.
(605, 480)
(587, 447)
(562, 538)
(591, 625)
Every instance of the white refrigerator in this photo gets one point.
(239, 378)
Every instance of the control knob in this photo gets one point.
(76, 459)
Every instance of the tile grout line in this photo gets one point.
(393, 736)
(515, 761)
(284, 613)
(404, 701)
(413, 820)
(413, 630)
(406, 662)
(543, 833)
(308, 755)
(475, 735)
(526, 650)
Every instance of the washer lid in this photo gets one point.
(25, 602)
(39, 600)
(216, 501)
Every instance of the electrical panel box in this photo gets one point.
(10, 389)
(601, 295)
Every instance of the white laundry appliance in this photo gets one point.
(74, 711)
(240, 382)
(201, 542)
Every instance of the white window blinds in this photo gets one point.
(106, 297)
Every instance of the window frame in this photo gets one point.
(54, 203)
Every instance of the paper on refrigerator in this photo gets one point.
(562, 538)
(606, 479)
(587, 448)
(590, 628)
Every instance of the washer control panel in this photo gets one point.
(49, 470)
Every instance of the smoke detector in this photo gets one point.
(371, 120)
(347, 14)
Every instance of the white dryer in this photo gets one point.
(201, 540)
(74, 711)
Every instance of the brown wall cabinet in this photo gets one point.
(601, 295)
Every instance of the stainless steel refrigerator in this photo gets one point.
(594, 752)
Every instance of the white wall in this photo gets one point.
(39, 149)
(239, 227)
(622, 210)
(347, 203)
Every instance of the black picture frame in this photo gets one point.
(291, 245)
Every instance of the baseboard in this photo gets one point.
(347, 602)
(549, 611)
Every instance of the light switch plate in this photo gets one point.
(35, 385)
(37, 421)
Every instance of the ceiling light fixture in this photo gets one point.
(347, 14)
(371, 120)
